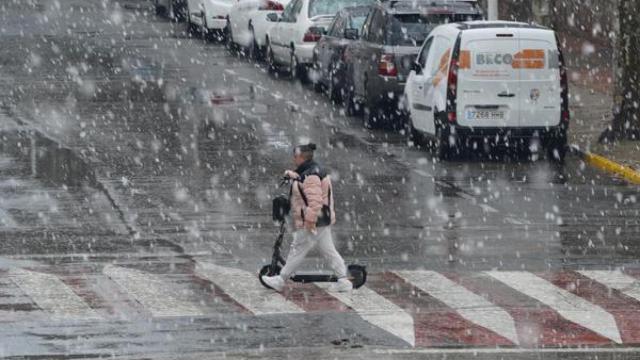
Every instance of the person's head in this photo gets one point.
(302, 153)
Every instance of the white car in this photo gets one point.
(208, 16)
(485, 83)
(248, 23)
(293, 36)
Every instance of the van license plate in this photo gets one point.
(485, 115)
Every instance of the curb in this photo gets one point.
(627, 173)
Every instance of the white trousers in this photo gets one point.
(303, 242)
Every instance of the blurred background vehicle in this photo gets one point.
(248, 24)
(295, 33)
(381, 59)
(328, 61)
(208, 16)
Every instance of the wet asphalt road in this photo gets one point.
(109, 125)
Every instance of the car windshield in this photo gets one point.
(412, 29)
(331, 7)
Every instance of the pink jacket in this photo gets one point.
(318, 192)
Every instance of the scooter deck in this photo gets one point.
(307, 278)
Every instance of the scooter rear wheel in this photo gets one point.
(266, 271)
(357, 275)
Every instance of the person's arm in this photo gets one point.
(312, 187)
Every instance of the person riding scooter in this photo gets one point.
(312, 209)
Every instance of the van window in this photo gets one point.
(412, 29)
(424, 53)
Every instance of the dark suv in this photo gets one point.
(378, 64)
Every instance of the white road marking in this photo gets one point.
(52, 295)
(616, 280)
(474, 352)
(377, 310)
(568, 305)
(469, 305)
(152, 292)
(245, 288)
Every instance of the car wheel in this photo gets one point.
(228, 37)
(352, 107)
(373, 113)
(271, 61)
(205, 27)
(160, 10)
(293, 66)
(333, 89)
(191, 27)
(317, 83)
(252, 54)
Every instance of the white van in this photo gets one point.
(484, 83)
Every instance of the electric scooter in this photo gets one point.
(357, 274)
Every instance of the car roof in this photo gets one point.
(431, 6)
(482, 24)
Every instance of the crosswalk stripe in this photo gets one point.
(566, 304)
(378, 311)
(52, 295)
(616, 280)
(152, 292)
(469, 305)
(245, 289)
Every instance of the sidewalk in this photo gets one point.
(591, 103)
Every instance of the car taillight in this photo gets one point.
(387, 66)
(452, 80)
(311, 36)
(272, 6)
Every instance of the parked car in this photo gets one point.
(489, 83)
(208, 16)
(381, 60)
(173, 9)
(248, 24)
(328, 54)
(292, 38)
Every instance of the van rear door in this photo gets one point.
(488, 84)
(540, 90)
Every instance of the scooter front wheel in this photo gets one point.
(357, 275)
(267, 271)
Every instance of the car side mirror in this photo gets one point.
(417, 67)
(273, 17)
(351, 34)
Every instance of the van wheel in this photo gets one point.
(441, 147)
(413, 135)
(557, 148)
